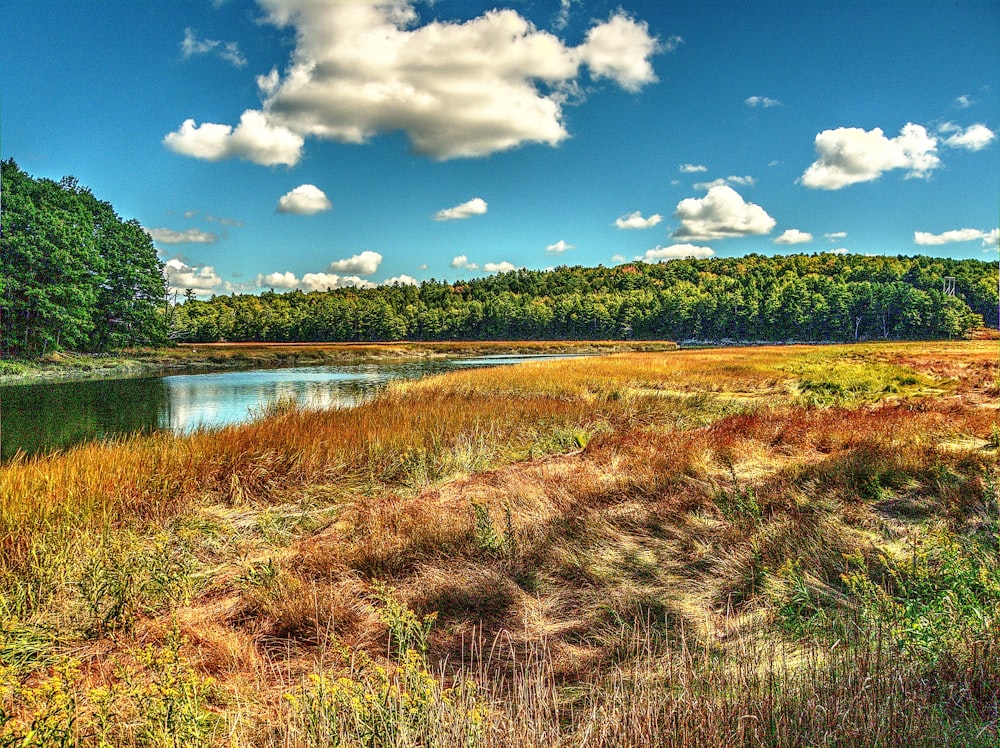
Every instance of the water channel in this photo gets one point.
(38, 418)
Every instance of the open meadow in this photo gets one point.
(780, 546)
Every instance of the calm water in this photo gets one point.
(44, 417)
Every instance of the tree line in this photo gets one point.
(73, 274)
(821, 297)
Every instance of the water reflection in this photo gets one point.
(45, 417)
(51, 416)
(212, 400)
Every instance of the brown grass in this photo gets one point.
(607, 544)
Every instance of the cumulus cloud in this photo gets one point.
(401, 280)
(255, 139)
(323, 281)
(926, 239)
(457, 89)
(559, 247)
(202, 279)
(288, 281)
(720, 214)
(620, 49)
(676, 252)
(833, 236)
(278, 280)
(794, 236)
(499, 267)
(762, 101)
(747, 181)
(692, 168)
(636, 221)
(849, 155)
(462, 263)
(474, 207)
(228, 51)
(365, 263)
(972, 138)
(839, 251)
(304, 200)
(189, 236)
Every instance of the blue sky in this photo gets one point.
(288, 144)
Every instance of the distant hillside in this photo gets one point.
(799, 297)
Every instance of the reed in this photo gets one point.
(638, 549)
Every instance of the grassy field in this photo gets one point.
(779, 546)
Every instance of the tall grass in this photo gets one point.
(641, 549)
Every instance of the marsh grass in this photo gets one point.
(640, 549)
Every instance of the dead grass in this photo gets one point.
(617, 552)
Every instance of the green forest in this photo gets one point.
(820, 297)
(73, 274)
(76, 276)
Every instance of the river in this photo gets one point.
(39, 418)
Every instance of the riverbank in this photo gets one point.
(206, 357)
(693, 548)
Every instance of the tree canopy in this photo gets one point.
(73, 274)
(820, 297)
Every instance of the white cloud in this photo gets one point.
(835, 235)
(457, 89)
(992, 239)
(619, 258)
(746, 181)
(672, 43)
(559, 247)
(924, 238)
(620, 49)
(562, 17)
(365, 263)
(849, 155)
(692, 168)
(462, 263)
(223, 221)
(228, 51)
(189, 236)
(675, 252)
(499, 267)
(401, 280)
(255, 139)
(973, 138)
(762, 101)
(203, 279)
(839, 251)
(278, 280)
(636, 221)
(304, 200)
(709, 185)
(721, 213)
(963, 102)
(474, 207)
(326, 281)
(794, 236)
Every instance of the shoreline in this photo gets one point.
(199, 358)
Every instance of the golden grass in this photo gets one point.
(584, 529)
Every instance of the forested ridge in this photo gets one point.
(73, 274)
(816, 297)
